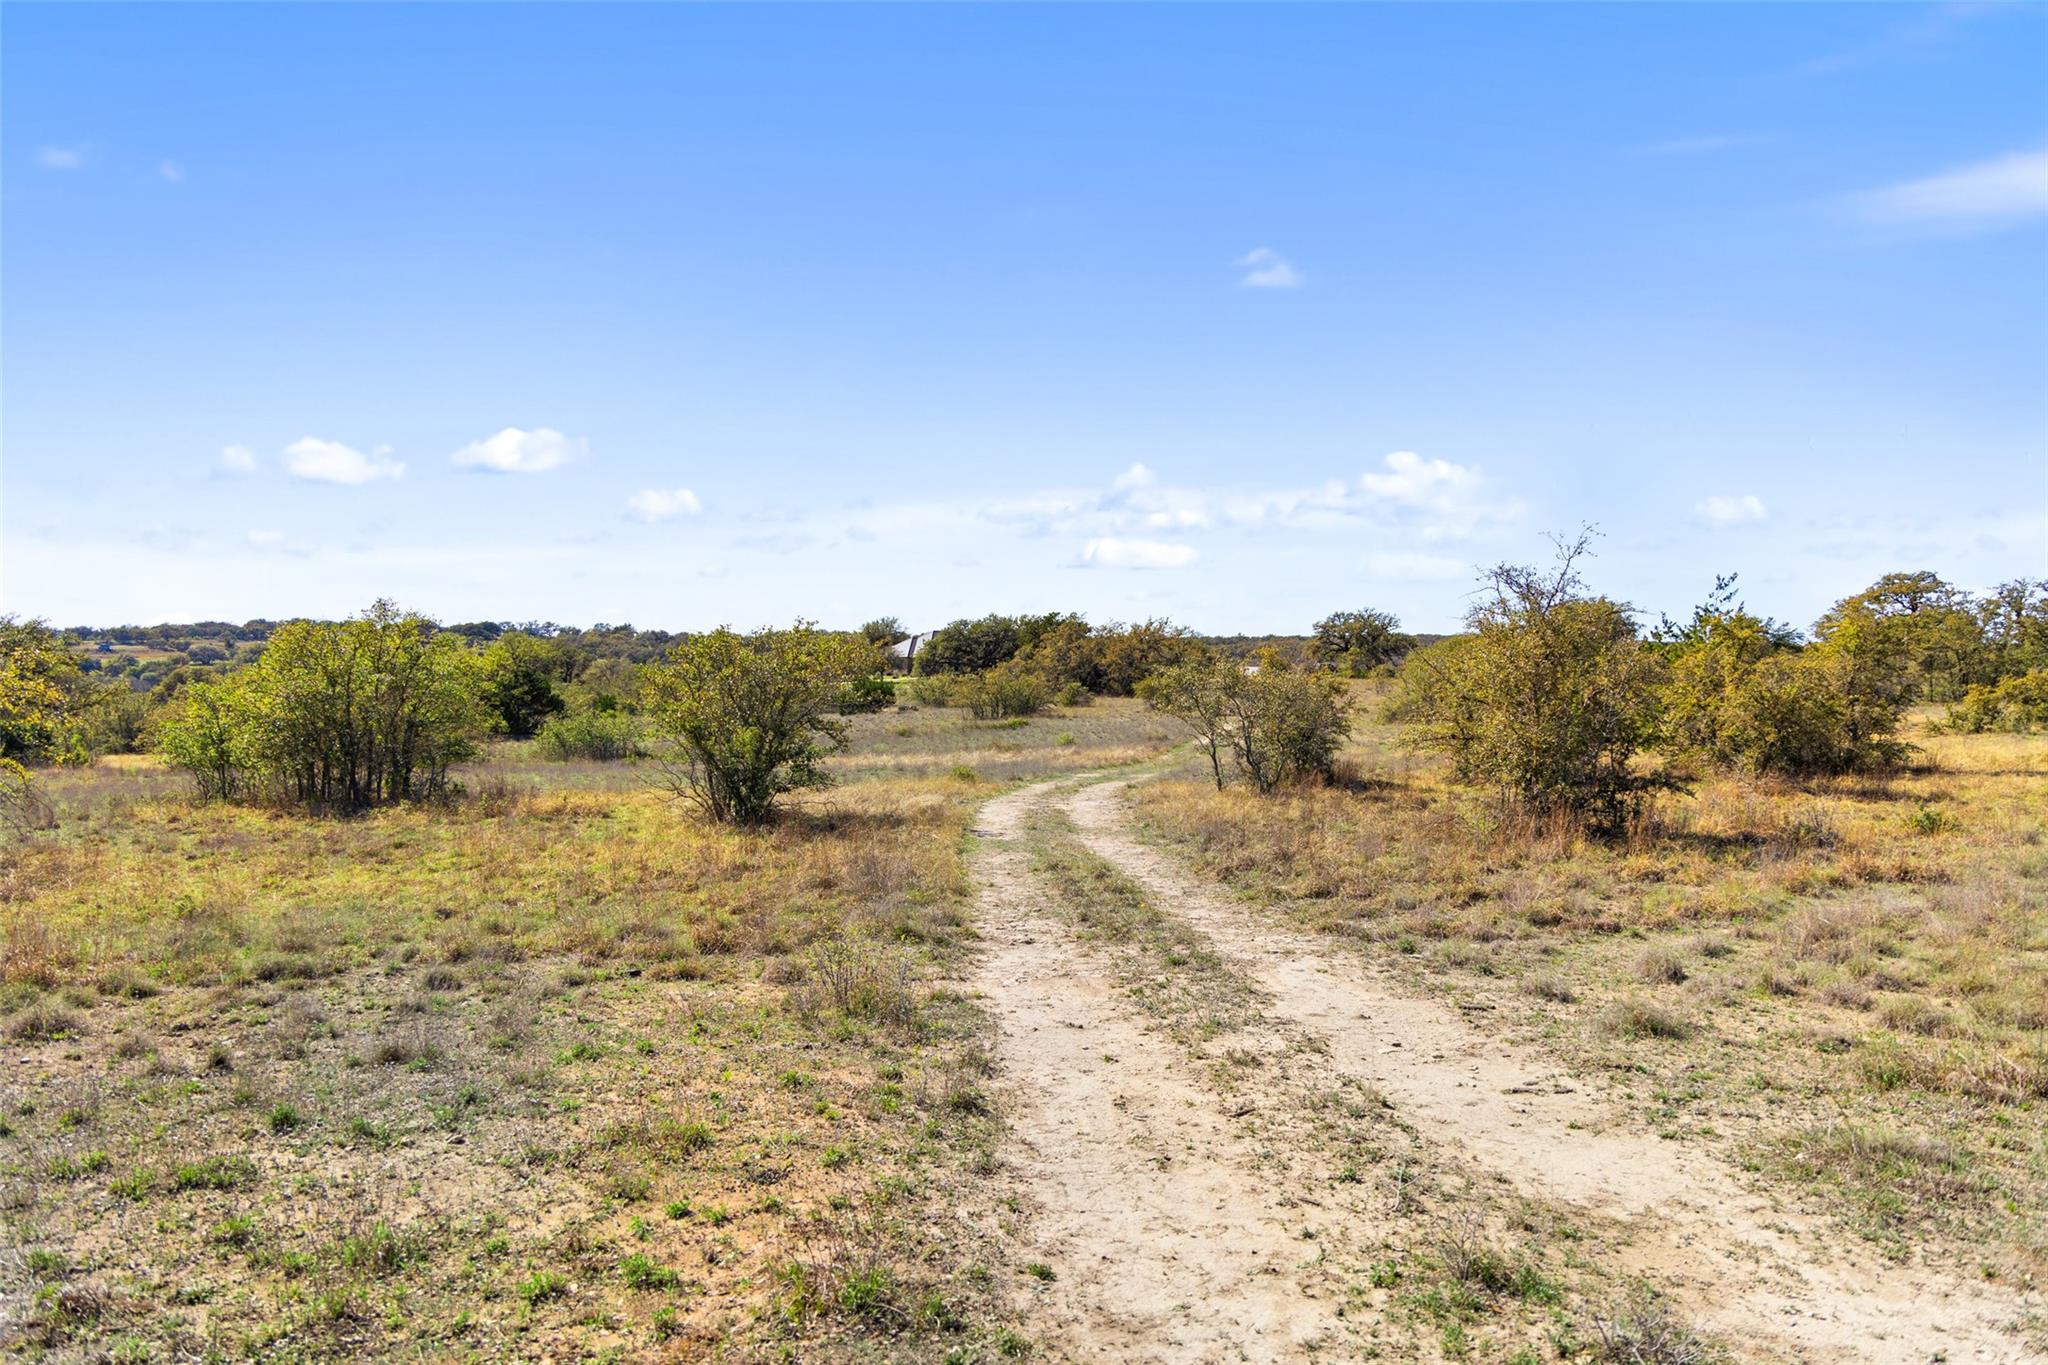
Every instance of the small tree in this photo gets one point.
(43, 697)
(1357, 642)
(1924, 635)
(1198, 693)
(1548, 699)
(1277, 724)
(39, 684)
(1286, 725)
(206, 736)
(884, 631)
(750, 717)
(519, 682)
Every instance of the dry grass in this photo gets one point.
(1758, 960)
(553, 1069)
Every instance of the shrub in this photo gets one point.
(1641, 1019)
(1275, 723)
(868, 693)
(931, 689)
(750, 717)
(1001, 693)
(1739, 697)
(2018, 705)
(601, 735)
(1549, 698)
(343, 715)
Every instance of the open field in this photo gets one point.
(554, 1068)
(1841, 986)
(974, 1056)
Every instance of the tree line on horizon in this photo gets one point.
(1548, 696)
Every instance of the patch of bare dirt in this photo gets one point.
(1146, 1198)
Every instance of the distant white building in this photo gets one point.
(903, 654)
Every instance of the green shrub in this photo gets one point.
(749, 717)
(1738, 696)
(604, 736)
(336, 714)
(2018, 705)
(1277, 724)
(866, 694)
(1547, 700)
(1001, 693)
(930, 689)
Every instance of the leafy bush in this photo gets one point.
(601, 735)
(1276, 724)
(867, 693)
(2018, 705)
(1547, 700)
(1001, 693)
(750, 717)
(342, 715)
(519, 682)
(931, 689)
(1738, 697)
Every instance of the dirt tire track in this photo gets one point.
(1746, 1267)
(1146, 1202)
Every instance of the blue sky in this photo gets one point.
(686, 315)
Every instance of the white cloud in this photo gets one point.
(2003, 190)
(1416, 482)
(513, 451)
(1137, 476)
(60, 158)
(170, 170)
(266, 540)
(1112, 552)
(1266, 268)
(659, 504)
(238, 459)
(1721, 510)
(332, 462)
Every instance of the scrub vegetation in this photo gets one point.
(378, 989)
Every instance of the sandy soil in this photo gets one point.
(1173, 1237)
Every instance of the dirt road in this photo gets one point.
(1174, 1235)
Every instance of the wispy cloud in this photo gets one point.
(1725, 510)
(60, 158)
(513, 451)
(1996, 193)
(1114, 552)
(332, 462)
(238, 459)
(1927, 28)
(171, 171)
(660, 504)
(1409, 502)
(1265, 268)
